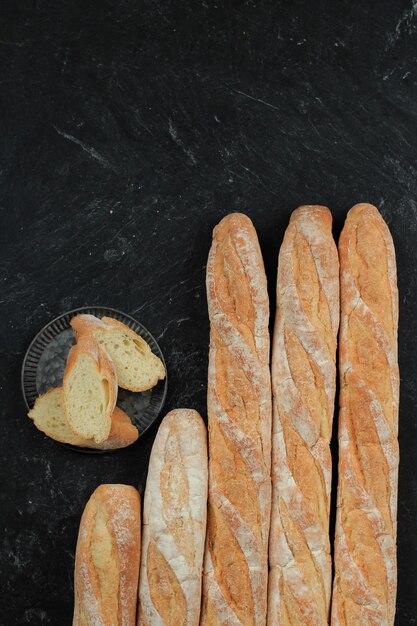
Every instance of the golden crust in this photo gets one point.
(365, 544)
(303, 385)
(122, 433)
(107, 558)
(239, 417)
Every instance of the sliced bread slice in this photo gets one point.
(90, 390)
(48, 415)
(137, 368)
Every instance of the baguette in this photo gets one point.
(107, 558)
(90, 390)
(239, 416)
(174, 523)
(364, 587)
(137, 368)
(303, 387)
(48, 415)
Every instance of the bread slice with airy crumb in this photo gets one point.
(137, 368)
(90, 390)
(48, 415)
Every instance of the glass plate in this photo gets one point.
(45, 359)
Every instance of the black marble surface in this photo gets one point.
(128, 129)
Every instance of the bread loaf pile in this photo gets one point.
(238, 534)
(83, 412)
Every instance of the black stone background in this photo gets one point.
(128, 129)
